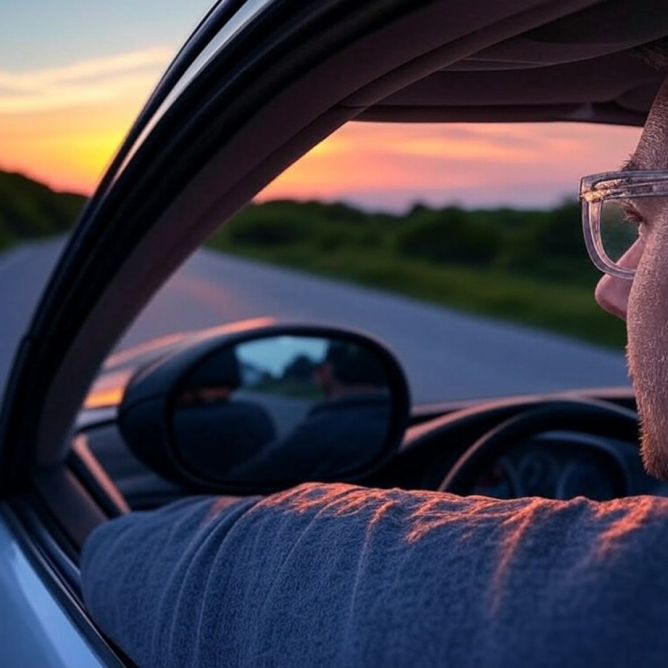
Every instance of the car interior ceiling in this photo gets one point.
(526, 77)
(580, 67)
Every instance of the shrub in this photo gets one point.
(450, 235)
(267, 229)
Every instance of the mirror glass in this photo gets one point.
(283, 408)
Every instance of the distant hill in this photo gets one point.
(29, 209)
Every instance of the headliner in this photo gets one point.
(579, 68)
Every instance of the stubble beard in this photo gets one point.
(651, 448)
(651, 392)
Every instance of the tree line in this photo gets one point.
(31, 210)
(522, 265)
(545, 243)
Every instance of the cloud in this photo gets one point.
(85, 82)
(392, 165)
(502, 143)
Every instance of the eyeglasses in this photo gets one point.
(615, 205)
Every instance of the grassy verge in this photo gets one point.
(562, 308)
(529, 267)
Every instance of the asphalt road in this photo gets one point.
(447, 355)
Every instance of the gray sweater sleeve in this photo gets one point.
(338, 575)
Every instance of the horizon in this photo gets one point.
(367, 206)
(391, 176)
(68, 96)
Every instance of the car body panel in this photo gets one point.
(35, 629)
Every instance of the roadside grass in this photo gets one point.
(528, 267)
(567, 309)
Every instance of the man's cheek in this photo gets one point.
(647, 319)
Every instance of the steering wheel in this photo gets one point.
(592, 416)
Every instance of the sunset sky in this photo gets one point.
(74, 74)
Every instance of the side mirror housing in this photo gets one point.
(266, 408)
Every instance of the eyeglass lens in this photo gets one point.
(619, 231)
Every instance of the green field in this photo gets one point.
(528, 267)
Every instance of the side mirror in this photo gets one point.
(268, 408)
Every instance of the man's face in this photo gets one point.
(643, 303)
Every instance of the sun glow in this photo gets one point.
(391, 165)
(62, 125)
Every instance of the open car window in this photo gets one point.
(455, 244)
(482, 291)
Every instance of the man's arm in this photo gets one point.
(338, 575)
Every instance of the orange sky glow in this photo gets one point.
(61, 125)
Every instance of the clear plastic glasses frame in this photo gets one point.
(596, 189)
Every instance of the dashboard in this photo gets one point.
(563, 465)
(556, 447)
(506, 451)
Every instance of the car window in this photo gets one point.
(368, 198)
(458, 245)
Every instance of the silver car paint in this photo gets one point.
(35, 631)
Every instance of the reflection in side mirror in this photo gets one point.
(284, 408)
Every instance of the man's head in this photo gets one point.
(349, 369)
(213, 381)
(643, 302)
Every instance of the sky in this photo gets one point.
(75, 73)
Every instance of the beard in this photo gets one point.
(649, 375)
(651, 451)
(647, 354)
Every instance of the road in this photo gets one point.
(447, 354)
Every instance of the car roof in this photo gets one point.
(258, 84)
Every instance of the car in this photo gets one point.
(255, 87)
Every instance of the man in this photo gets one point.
(347, 427)
(338, 575)
(642, 301)
(220, 429)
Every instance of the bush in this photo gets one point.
(559, 233)
(269, 230)
(450, 235)
(29, 209)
